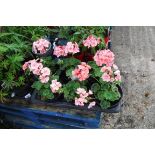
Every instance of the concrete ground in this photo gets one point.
(134, 48)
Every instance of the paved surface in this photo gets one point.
(134, 48)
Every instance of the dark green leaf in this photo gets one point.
(37, 85)
(69, 72)
(95, 87)
(105, 104)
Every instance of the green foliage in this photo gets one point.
(111, 95)
(10, 82)
(96, 71)
(21, 80)
(49, 62)
(69, 72)
(95, 87)
(10, 68)
(108, 93)
(105, 85)
(105, 104)
(28, 33)
(69, 90)
(15, 47)
(92, 64)
(55, 77)
(64, 32)
(105, 92)
(80, 33)
(37, 85)
(46, 94)
(43, 90)
(70, 62)
(3, 96)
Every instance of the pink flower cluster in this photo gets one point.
(83, 98)
(59, 51)
(44, 75)
(55, 86)
(36, 67)
(91, 41)
(111, 74)
(70, 48)
(81, 72)
(104, 57)
(41, 46)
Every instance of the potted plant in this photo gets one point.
(15, 49)
(42, 47)
(68, 82)
(79, 73)
(87, 37)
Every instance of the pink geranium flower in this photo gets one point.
(59, 51)
(91, 41)
(83, 98)
(82, 92)
(90, 92)
(117, 72)
(83, 65)
(33, 66)
(25, 66)
(70, 48)
(41, 46)
(106, 77)
(45, 71)
(55, 86)
(44, 79)
(107, 70)
(92, 104)
(105, 57)
(44, 75)
(118, 77)
(81, 72)
(115, 67)
(111, 74)
(36, 71)
(80, 101)
(36, 67)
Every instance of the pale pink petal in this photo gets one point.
(92, 104)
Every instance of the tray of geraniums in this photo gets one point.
(89, 83)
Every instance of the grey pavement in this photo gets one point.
(134, 48)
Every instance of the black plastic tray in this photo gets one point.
(115, 108)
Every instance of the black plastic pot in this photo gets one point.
(24, 91)
(115, 106)
(61, 42)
